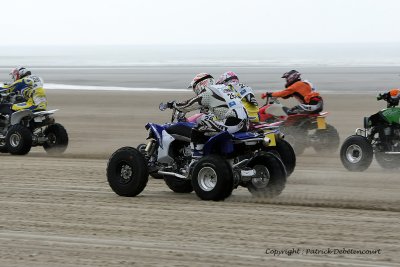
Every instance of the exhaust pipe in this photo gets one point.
(392, 153)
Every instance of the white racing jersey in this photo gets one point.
(221, 100)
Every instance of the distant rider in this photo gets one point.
(310, 101)
(245, 92)
(392, 97)
(30, 87)
(225, 110)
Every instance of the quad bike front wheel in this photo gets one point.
(127, 172)
(57, 139)
(18, 140)
(270, 177)
(356, 153)
(212, 178)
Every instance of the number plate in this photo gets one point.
(38, 119)
(271, 137)
(248, 172)
(321, 124)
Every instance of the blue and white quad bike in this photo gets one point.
(229, 160)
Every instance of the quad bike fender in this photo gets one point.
(44, 112)
(166, 140)
(222, 142)
(16, 117)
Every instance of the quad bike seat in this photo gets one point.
(179, 129)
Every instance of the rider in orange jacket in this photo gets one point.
(310, 101)
(392, 97)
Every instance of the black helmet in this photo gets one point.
(291, 77)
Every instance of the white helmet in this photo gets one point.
(200, 82)
(19, 73)
(228, 78)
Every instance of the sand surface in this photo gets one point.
(60, 211)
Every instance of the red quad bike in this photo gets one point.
(302, 130)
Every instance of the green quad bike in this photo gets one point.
(380, 136)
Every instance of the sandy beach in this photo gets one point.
(60, 211)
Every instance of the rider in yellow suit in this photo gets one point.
(30, 87)
(245, 93)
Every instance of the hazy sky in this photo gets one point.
(81, 22)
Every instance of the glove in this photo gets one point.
(267, 94)
(381, 96)
(250, 98)
(170, 104)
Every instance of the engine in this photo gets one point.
(389, 139)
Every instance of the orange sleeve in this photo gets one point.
(288, 91)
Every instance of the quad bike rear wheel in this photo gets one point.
(387, 161)
(286, 154)
(328, 140)
(212, 178)
(178, 185)
(57, 139)
(270, 177)
(297, 138)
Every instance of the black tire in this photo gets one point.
(57, 139)
(219, 170)
(329, 140)
(127, 172)
(18, 140)
(3, 147)
(286, 154)
(297, 137)
(273, 173)
(387, 161)
(356, 153)
(178, 185)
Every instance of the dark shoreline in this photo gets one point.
(325, 78)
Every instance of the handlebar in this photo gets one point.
(271, 100)
(176, 114)
(390, 101)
